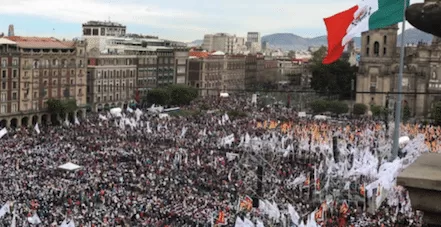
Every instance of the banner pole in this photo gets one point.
(400, 88)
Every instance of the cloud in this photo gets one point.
(190, 19)
(80, 11)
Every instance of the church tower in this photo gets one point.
(377, 55)
(379, 43)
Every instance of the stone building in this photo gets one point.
(254, 68)
(9, 90)
(111, 80)
(98, 33)
(229, 44)
(379, 68)
(216, 72)
(47, 69)
(147, 72)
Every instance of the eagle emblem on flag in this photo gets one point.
(362, 13)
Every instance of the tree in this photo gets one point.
(334, 78)
(158, 96)
(405, 116)
(377, 111)
(61, 108)
(359, 109)
(54, 106)
(338, 107)
(292, 54)
(436, 113)
(182, 94)
(172, 95)
(319, 106)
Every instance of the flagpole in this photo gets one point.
(400, 88)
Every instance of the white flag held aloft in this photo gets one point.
(5, 209)
(3, 132)
(37, 129)
(34, 219)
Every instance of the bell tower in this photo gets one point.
(379, 43)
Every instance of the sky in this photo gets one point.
(181, 20)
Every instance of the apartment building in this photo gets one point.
(254, 42)
(229, 44)
(9, 90)
(47, 69)
(111, 80)
(254, 68)
(158, 62)
(97, 33)
(216, 72)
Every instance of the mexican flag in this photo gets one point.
(366, 15)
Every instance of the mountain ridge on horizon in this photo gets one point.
(289, 41)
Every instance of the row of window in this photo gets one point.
(46, 73)
(43, 63)
(5, 74)
(3, 108)
(116, 73)
(5, 63)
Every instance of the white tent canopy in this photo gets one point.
(69, 166)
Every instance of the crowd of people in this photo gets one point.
(179, 170)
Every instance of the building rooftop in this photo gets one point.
(6, 41)
(198, 54)
(41, 42)
(103, 23)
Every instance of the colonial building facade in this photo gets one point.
(38, 70)
(379, 69)
(216, 72)
(111, 80)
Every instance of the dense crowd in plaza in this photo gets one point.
(145, 170)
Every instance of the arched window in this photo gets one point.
(384, 39)
(368, 39)
(376, 48)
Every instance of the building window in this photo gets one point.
(384, 39)
(14, 85)
(14, 73)
(384, 51)
(3, 97)
(376, 49)
(3, 109)
(14, 95)
(95, 32)
(368, 39)
(35, 95)
(3, 85)
(3, 63)
(14, 62)
(3, 74)
(14, 107)
(34, 106)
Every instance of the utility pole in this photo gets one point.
(352, 95)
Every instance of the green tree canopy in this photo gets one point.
(359, 109)
(436, 113)
(172, 95)
(159, 96)
(61, 107)
(334, 78)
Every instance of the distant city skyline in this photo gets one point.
(171, 19)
